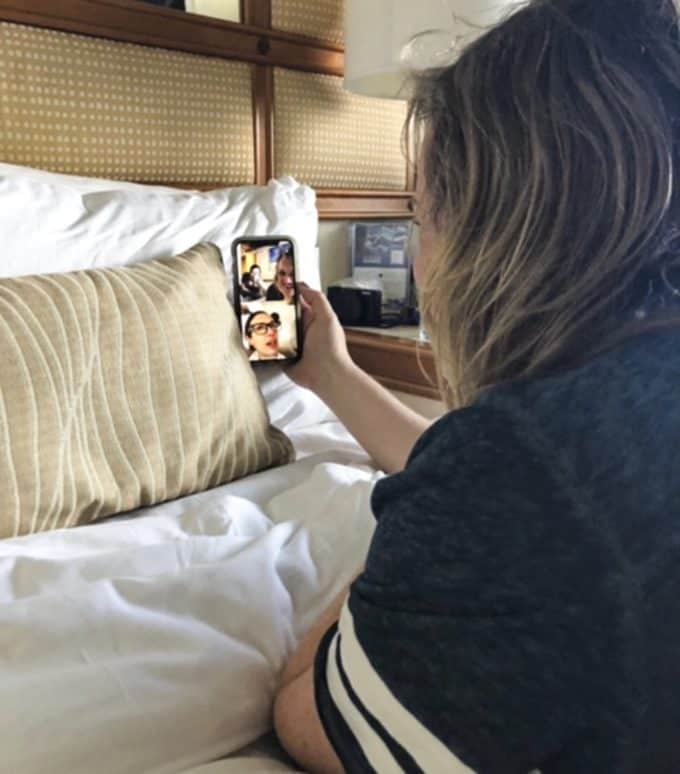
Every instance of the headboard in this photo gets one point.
(127, 90)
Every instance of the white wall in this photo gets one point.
(334, 265)
(333, 251)
(230, 10)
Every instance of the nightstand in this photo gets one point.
(392, 355)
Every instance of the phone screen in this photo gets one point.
(265, 295)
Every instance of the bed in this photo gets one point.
(152, 640)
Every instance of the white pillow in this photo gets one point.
(55, 223)
(290, 407)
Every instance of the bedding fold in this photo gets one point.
(159, 648)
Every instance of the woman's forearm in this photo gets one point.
(382, 424)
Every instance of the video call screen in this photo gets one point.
(267, 299)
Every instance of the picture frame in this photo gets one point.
(379, 257)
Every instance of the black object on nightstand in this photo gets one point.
(356, 306)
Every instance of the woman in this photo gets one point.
(519, 606)
(252, 288)
(283, 287)
(262, 332)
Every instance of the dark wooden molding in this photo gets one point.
(257, 13)
(338, 204)
(397, 363)
(263, 116)
(253, 41)
(135, 22)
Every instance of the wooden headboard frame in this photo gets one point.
(254, 41)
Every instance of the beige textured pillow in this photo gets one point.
(121, 388)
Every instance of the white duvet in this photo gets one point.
(154, 643)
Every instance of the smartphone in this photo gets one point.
(266, 298)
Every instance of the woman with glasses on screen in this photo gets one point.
(262, 332)
(519, 605)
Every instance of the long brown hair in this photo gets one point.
(550, 168)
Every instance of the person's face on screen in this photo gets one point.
(255, 275)
(263, 335)
(285, 278)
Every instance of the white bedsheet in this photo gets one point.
(153, 644)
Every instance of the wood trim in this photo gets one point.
(394, 362)
(334, 204)
(253, 42)
(135, 22)
(263, 121)
(257, 13)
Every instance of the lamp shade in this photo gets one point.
(385, 39)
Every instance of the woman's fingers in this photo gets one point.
(309, 302)
(307, 314)
(317, 301)
(304, 303)
(306, 294)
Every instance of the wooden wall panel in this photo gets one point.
(135, 22)
(92, 107)
(318, 19)
(329, 138)
(275, 33)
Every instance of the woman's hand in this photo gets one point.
(384, 426)
(325, 355)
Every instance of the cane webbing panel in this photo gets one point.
(93, 107)
(321, 19)
(329, 138)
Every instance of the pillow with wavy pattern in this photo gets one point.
(121, 388)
